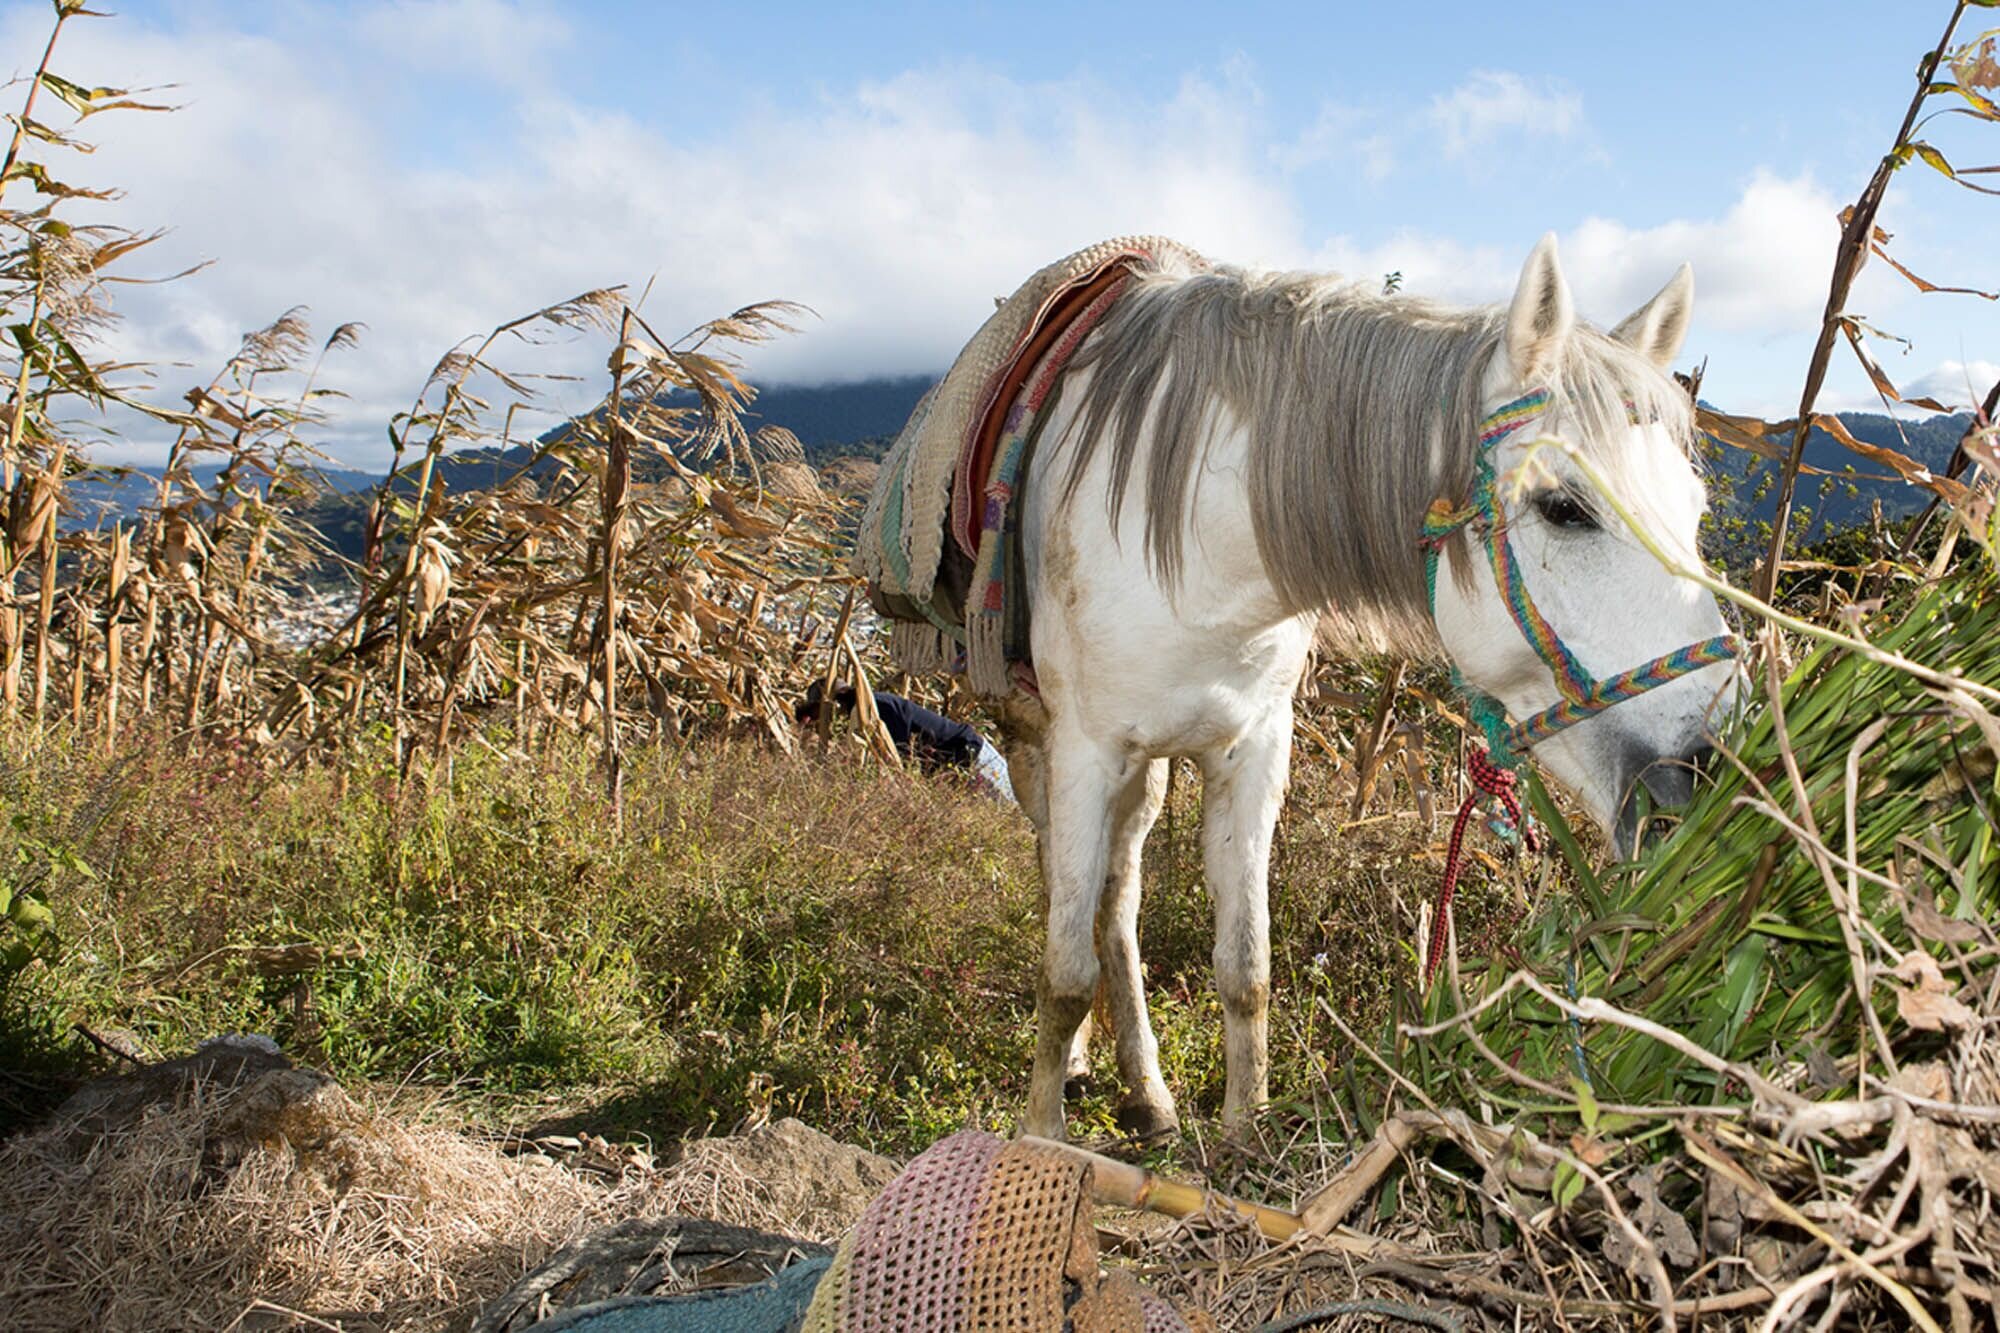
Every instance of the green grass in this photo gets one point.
(812, 938)
(1727, 931)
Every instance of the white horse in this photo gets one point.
(1238, 463)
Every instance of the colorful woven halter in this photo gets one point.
(1583, 695)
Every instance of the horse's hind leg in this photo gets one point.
(1242, 788)
(1085, 781)
(1148, 1108)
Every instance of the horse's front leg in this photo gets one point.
(1023, 725)
(1084, 780)
(1242, 788)
(1148, 1108)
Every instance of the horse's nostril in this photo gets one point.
(1701, 758)
(1671, 781)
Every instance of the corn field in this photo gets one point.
(650, 567)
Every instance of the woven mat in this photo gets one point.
(989, 1234)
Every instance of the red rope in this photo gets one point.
(1488, 779)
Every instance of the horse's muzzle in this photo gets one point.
(1670, 782)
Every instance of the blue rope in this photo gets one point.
(1575, 1025)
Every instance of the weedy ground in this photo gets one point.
(769, 935)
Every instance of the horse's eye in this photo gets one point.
(1563, 510)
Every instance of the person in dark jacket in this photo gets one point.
(929, 739)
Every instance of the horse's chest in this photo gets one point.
(1160, 672)
(1187, 693)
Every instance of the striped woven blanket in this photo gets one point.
(939, 540)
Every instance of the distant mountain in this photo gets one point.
(1743, 486)
(858, 419)
(113, 493)
(851, 420)
(839, 420)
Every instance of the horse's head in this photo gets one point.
(1549, 595)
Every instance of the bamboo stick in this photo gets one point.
(45, 611)
(1127, 1186)
(114, 632)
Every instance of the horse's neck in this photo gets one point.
(1224, 571)
(1222, 577)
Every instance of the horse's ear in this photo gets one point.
(1541, 316)
(1657, 328)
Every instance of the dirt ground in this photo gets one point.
(232, 1188)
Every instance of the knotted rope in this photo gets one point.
(1489, 782)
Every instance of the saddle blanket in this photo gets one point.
(939, 539)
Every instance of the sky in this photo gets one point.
(433, 168)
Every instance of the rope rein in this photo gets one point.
(1583, 696)
(1488, 780)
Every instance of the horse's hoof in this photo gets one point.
(1078, 1086)
(1148, 1123)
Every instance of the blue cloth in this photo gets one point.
(775, 1305)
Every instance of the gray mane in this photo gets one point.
(1350, 401)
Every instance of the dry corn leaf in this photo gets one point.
(1925, 1000)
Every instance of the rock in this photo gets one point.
(240, 1043)
(261, 1099)
(303, 1110)
(810, 1180)
(117, 1101)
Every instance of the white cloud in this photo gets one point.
(1956, 384)
(1959, 385)
(897, 209)
(900, 212)
(1341, 136)
(1496, 103)
(1761, 266)
(501, 39)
